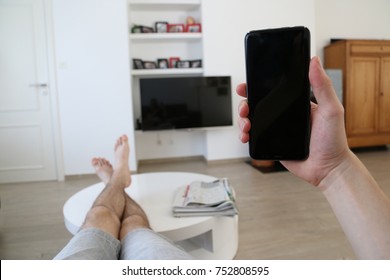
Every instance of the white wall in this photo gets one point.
(169, 144)
(351, 19)
(91, 40)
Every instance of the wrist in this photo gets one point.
(342, 170)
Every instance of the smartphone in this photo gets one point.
(278, 92)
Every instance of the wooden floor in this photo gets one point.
(281, 217)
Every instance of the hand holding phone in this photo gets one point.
(278, 92)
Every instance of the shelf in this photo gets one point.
(153, 46)
(165, 36)
(163, 72)
(146, 5)
(141, 132)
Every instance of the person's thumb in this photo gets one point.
(321, 84)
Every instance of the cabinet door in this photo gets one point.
(361, 99)
(384, 107)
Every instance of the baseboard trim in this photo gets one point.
(170, 160)
(191, 158)
(226, 161)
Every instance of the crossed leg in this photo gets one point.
(114, 211)
(116, 226)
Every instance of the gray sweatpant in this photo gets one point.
(139, 244)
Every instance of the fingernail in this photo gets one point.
(319, 61)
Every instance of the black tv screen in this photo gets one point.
(185, 102)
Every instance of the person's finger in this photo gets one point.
(241, 90)
(243, 109)
(244, 137)
(321, 84)
(244, 124)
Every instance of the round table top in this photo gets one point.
(154, 192)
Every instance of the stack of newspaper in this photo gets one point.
(205, 199)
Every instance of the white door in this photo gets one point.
(26, 134)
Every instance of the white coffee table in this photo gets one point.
(203, 237)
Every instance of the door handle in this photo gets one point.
(38, 85)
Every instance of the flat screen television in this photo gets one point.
(185, 102)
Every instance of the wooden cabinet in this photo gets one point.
(384, 108)
(366, 88)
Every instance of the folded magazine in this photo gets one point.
(205, 199)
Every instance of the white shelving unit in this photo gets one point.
(154, 46)
(164, 4)
(166, 72)
(165, 36)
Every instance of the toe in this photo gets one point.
(95, 161)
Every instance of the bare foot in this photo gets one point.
(121, 176)
(103, 169)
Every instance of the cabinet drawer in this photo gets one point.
(376, 49)
(386, 49)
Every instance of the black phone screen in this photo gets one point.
(278, 92)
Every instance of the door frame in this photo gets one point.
(53, 90)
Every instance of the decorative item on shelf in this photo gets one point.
(138, 64)
(173, 61)
(142, 29)
(162, 63)
(195, 27)
(150, 65)
(161, 26)
(147, 29)
(183, 64)
(192, 25)
(136, 29)
(196, 63)
(190, 20)
(175, 28)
